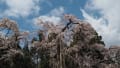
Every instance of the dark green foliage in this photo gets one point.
(27, 60)
(52, 36)
(96, 39)
(44, 61)
(69, 63)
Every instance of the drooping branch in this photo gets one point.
(9, 24)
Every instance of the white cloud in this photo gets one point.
(52, 19)
(21, 7)
(57, 11)
(109, 9)
(53, 16)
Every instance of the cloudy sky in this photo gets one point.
(103, 15)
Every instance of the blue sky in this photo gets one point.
(103, 16)
(70, 7)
